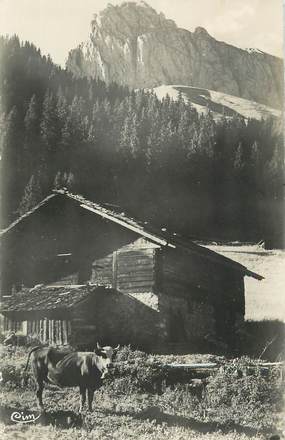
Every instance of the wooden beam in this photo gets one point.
(127, 225)
(193, 366)
(64, 331)
(115, 270)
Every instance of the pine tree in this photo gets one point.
(11, 165)
(32, 143)
(32, 118)
(70, 181)
(58, 181)
(238, 160)
(49, 124)
(32, 195)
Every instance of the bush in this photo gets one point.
(238, 393)
(244, 399)
(12, 365)
(136, 371)
(12, 374)
(127, 354)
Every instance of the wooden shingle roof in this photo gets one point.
(161, 237)
(48, 298)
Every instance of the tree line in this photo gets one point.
(158, 159)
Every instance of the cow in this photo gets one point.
(87, 370)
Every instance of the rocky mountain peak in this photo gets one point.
(201, 31)
(129, 20)
(134, 45)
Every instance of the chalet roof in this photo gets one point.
(48, 298)
(161, 237)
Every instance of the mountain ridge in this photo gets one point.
(134, 45)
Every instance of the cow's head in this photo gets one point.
(10, 339)
(106, 355)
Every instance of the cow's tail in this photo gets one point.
(24, 374)
(29, 355)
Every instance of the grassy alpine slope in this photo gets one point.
(220, 104)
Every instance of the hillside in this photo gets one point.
(220, 104)
(134, 45)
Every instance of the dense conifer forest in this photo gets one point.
(158, 160)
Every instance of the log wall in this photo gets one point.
(206, 298)
(130, 269)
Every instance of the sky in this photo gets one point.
(56, 26)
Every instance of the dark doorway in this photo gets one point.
(177, 331)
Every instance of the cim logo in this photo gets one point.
(20, 417)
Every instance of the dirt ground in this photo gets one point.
(140, 417)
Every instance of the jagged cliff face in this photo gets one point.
(133, 45)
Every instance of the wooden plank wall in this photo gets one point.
(188, 273)
(10, 325)
(181, 273)
(52, 331)
(102, 271)
(130, 269)
(135, 270)
(214, 294)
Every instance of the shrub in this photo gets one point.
(12, 364)
(135, 371)
(127, 354)
(244, 399)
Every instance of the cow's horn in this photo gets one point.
(117, 348)
(98, 346)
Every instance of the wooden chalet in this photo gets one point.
(156, 287)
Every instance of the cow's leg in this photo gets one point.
(39, 393)
(90, 398)
(82, 390)
(39, 375)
